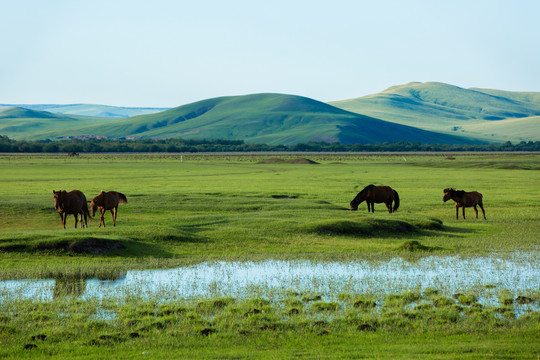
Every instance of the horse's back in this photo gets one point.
(74, 201)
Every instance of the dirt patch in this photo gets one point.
(287, 161)
(285, 196)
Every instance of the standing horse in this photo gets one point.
(107, 200)
(464, 199)
(73, 202)
(376, 194)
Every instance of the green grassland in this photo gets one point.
(185, 209)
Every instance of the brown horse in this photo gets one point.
(376, 194)
(73, 202)
(464, 199)
(107, 200)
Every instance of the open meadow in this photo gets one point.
(184, 210)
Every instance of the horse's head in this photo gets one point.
(58, 195)
(93, 207)
(356, 201)
(447, 194)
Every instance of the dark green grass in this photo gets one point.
(255, 328)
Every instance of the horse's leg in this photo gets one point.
(61, 219)
(476, 211)
(114, 215)
(102, 217)
(463, 207)
(368, 206)
(372, 207)
(76, 216)
(483, 212)
(389, 206)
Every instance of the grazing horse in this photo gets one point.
(73, 202)
(464, 199)
(376, 194)
(73, 153)
(107, 200)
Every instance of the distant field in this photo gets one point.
(186, 209)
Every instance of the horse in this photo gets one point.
(73, 202)
(73, 153)
(464, 199)
(107, 200)
(376, 194)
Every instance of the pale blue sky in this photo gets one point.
(170, 53)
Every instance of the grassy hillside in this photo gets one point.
(19, 123)
(451, 109)
(90, 109)
(267, 118)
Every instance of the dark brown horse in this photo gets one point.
(376, 194)
(107, 200)
(464, 199)
(74, 203)
(73, 153)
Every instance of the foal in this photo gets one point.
(464, 199)
(107, 200)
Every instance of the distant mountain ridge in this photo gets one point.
(450, 109)
(416, 112)
(257, 118)
(89, 109)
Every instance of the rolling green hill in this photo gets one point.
(263, 118)
(450, 109)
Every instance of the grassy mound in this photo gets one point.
(88, 245)
(370, 227)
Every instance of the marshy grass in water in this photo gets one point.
(469, 280)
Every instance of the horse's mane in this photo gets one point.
(455, 192)
(367, 188)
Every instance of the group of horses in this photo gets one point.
(74, 203)
(372, 194)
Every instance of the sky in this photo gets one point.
(166, 53)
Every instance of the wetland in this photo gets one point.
(261, 258)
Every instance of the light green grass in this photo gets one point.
(224, 207)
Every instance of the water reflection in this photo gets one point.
(485, 276)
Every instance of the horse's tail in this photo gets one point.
(123, 198)
(85, 207)
(396, 200)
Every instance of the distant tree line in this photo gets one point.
(8, 145)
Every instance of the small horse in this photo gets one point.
(73, 153)
(376, 194)
(107, 200)
(73, 202)
(464, 199)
